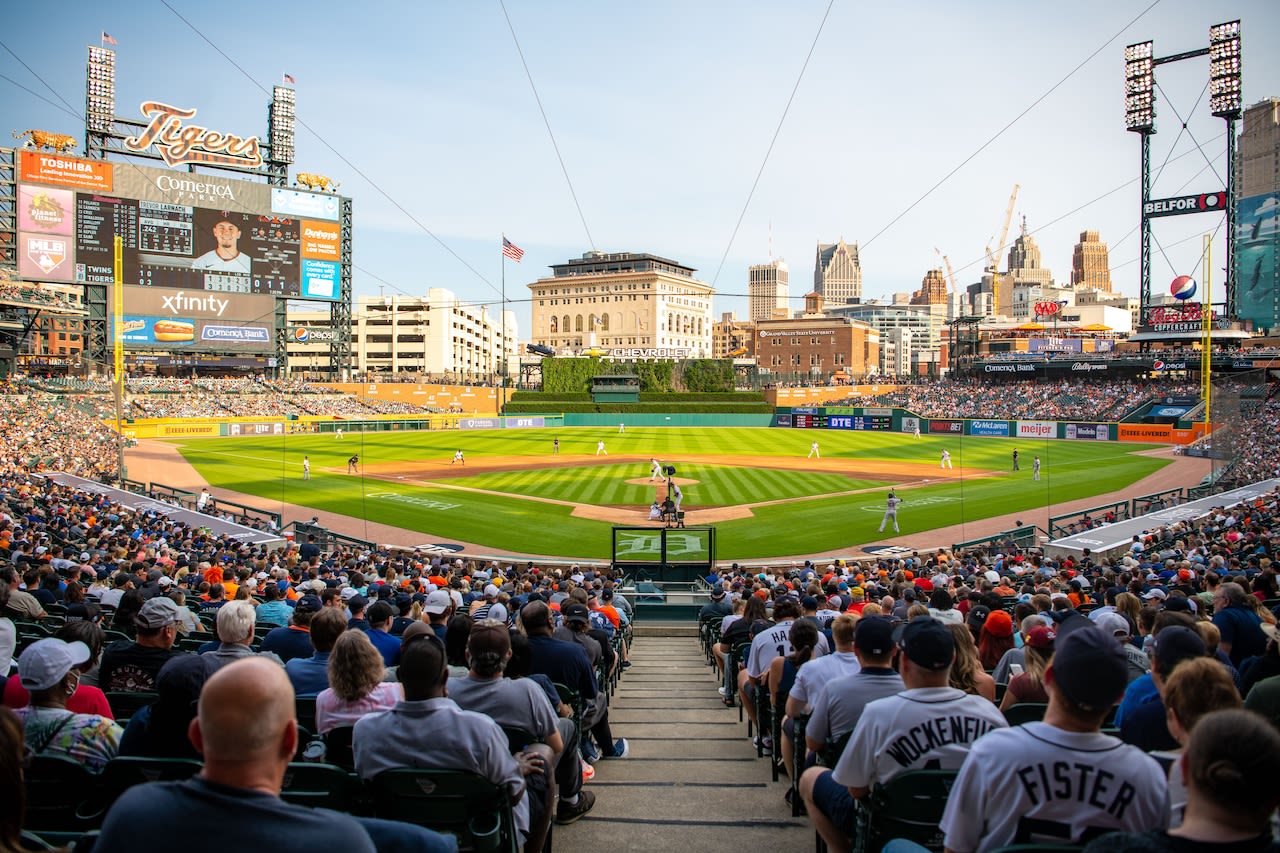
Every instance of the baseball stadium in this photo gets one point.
(283, 563)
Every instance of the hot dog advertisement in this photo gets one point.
(156, 318)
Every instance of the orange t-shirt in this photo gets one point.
(611, 614)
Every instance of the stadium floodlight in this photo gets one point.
(1224, 70)
(100, 89)
(1139, 87)
(280, 124)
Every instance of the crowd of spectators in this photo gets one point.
(1083, 400)
(1132, 668)
(46, 432)
(346, 627)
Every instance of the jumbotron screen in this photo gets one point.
(179, 229)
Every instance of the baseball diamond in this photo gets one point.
(755, 484)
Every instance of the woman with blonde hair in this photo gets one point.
(1129, 606)
(1028, 685)
(355, 687)
(966, 670)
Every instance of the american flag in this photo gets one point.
(511, 250)
(106, 38)
(288, 78)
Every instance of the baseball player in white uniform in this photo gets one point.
(813, 451)
(891, 511)
(676, 495)
(655, 470)
(1035, 468)
(622, 428)
(458, 457)
(916, 429)
(306, 468)
(337, 433)
(600, 448)
(946, 460)
(1060, 781)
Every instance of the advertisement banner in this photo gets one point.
(876, 411)
(45, 257)
(840, 421)
(1055, 345)
(523, 423)
(46, 211)
(319, 279)
(273, 428)
(1257, 238)
(304, 204)
(994, 428)
(40, 167)
(1009, 370)
(1168, 411)
(946, 427)
(1096, 432)
(1145, 432)
(320, 240)
(910, 425)
(198, 320)
(186, 430)
(784, 420)
(1037, 429)
(479, 423)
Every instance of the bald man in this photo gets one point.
(247, 730)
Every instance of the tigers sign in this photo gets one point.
(178, 143)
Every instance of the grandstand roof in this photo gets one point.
(1109, 537)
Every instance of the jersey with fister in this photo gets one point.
(925, 728)
(1038, 784)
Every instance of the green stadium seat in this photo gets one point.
(321, 786)
(62, 795)
(127, 703)
(1025, 712)
(909, 807)
(123, 772)
(473, 809)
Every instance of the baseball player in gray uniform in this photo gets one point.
(891, 511)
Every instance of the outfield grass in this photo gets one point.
(270, 468)
(717, 485)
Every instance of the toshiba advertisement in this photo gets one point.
(197, 321)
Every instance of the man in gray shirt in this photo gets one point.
(521, 704)
(836, 710)
(429, 730)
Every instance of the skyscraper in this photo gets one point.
(837, 273)
(1024, 261)
(1089, 264)
(933, 290)
(768, 286)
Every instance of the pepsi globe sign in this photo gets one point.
(1183, 287)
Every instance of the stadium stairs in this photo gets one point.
(692, 780)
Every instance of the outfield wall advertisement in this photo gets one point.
(1037, 429)
(1097, 432)
(197, 320)
(989, 428)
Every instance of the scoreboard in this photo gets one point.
(808, 421)
(860, 422)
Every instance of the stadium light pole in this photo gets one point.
(1139, 118)
(1224, 103)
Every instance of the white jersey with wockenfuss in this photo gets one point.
(925, 728)
(1038, 784)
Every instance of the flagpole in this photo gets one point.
(502, 363)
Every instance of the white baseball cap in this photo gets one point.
(491, 591)
(438, 602)
(46, 662)
(1113, 624)
(348, 593)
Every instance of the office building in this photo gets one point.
(1258, 216)
(1090, 266)
(768, 286)
(837, 273)
(639, 305)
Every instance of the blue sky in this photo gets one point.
(663, 112)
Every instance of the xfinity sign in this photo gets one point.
(1203, 203)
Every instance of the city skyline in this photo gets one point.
(663, 144)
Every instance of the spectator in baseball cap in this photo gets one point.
(49, 671)
(1145, 726)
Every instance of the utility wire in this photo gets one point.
(777, 130)
(1011, 123)
(546, 121)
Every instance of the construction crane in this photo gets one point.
(951, 274)
(993, 256)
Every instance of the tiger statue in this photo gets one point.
(58, 142)
(315, 182)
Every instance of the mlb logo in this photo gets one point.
(46, 253)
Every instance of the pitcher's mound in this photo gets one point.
(645, 481)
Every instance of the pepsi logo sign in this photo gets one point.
(1183, 287)
(301, 334)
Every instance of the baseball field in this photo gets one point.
(756, 485)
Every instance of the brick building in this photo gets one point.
(816, 348)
